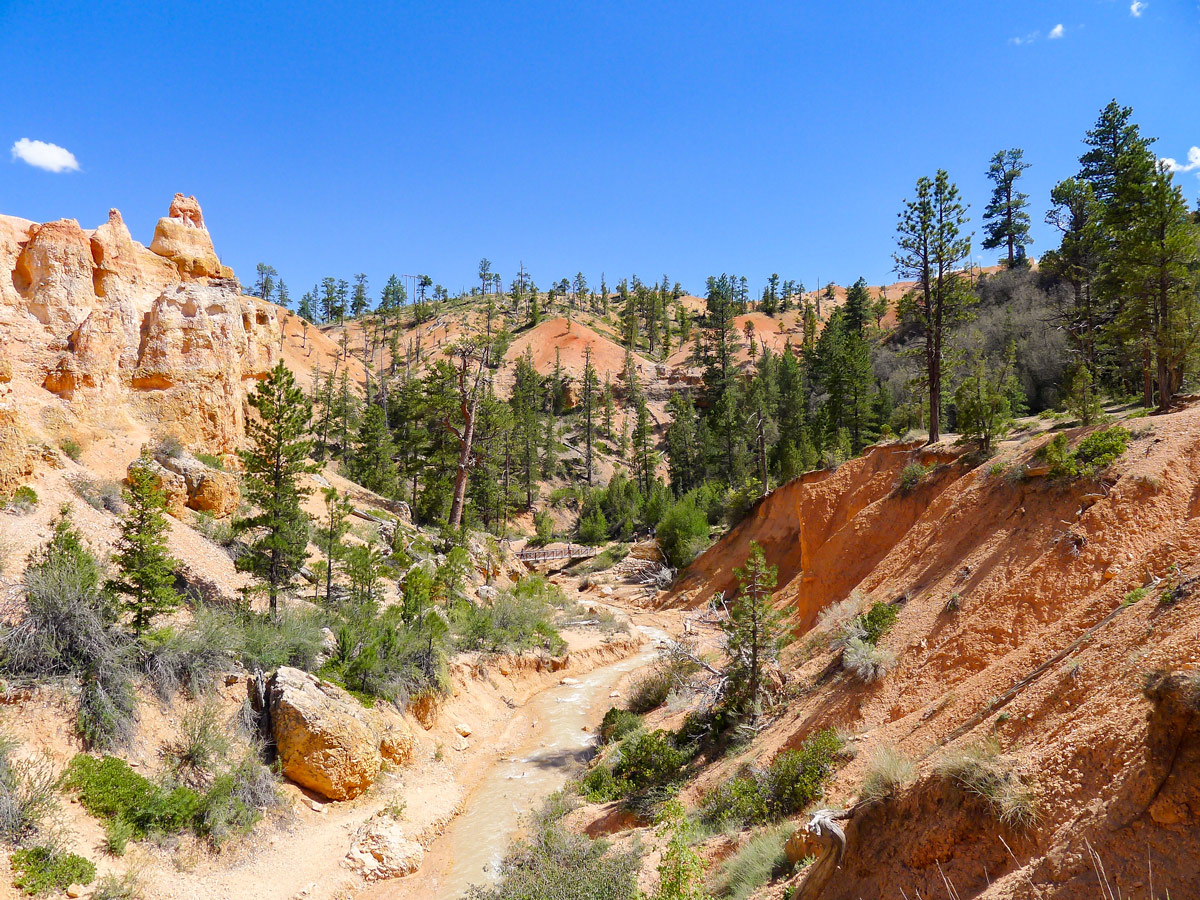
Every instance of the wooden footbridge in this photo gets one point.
(571, 551)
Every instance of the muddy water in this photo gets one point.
(476, 841)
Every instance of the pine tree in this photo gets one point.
(360, 303)
(264, 282)
(145, 570)
(932, 248)
(372, 465)
(754, 633)
(643, 448)
(330, 533)
(277, 458)
(589, 402)
(1006, 215)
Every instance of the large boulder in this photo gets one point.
(379, 850)
(172, 485)
(325, 739)
(209, 490)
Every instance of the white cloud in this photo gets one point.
(1136, 8)
(41, 155)
(1192, 164)
(1028, 39)
(1056, 32)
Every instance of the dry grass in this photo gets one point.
(981, 770)
(865, 661)
(889, 772)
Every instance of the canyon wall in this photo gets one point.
(97, 325)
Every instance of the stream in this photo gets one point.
(478, 838)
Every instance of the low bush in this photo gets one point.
(101, 495)
(71, 448)
(911, 475)
(70, 629)
(877, 621)
(648, 759)
(599, 785)
(982, 771)
(23, 499)
(617, 723)
(1095, 453)
(117, 835)
(651, 690)
(212, 461)
(761, 860)
(40, 869)
(889, 771)
(793, 780)
(114, 793)
(27, 795)
(187, 657)
(201, 746)
(555, 863)
(126, 886)
(865, 661)
(291, 638)
(520, 618)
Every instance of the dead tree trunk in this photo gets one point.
(823, 838)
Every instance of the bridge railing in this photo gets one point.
(571, 551)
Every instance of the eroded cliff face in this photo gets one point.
(94, 322)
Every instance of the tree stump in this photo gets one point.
(821, 837)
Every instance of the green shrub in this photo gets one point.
(40, 869)
(617, 723)
(71, 448)
(291, 638)
(70, 629)
(117, 835)
(23, 499)
(1095, 453)
(201, 746)
(911, 475)
(651, 690)
(552, 863)
(114, 793)
(188, 656)
(878, 620)
(793, 780)
(212, 461)
(683, 532)
(649, 758)
(520, 618)
(109, 789)
(599, 785)
(1101, 449)
(593, 527)
(761, 860)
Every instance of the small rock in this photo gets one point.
(461, 745)
(316, 806)
(463, 730)
(569, 681)
(74, 890)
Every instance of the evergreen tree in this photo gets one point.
(931, 250)
(277, 458)
(589, 402)
(307, 310)
(683, 451)
(145, 570)
(372, 465)
(264, 282)
(754, 634)
(858, 307)
(330, 534)
(1006, 216)
(360, 303)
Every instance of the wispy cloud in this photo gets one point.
(41, 155)
(1192, 164)
(1056, 32)
(1136, 8)
(1027, 39)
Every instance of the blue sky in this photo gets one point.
(620, 137)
